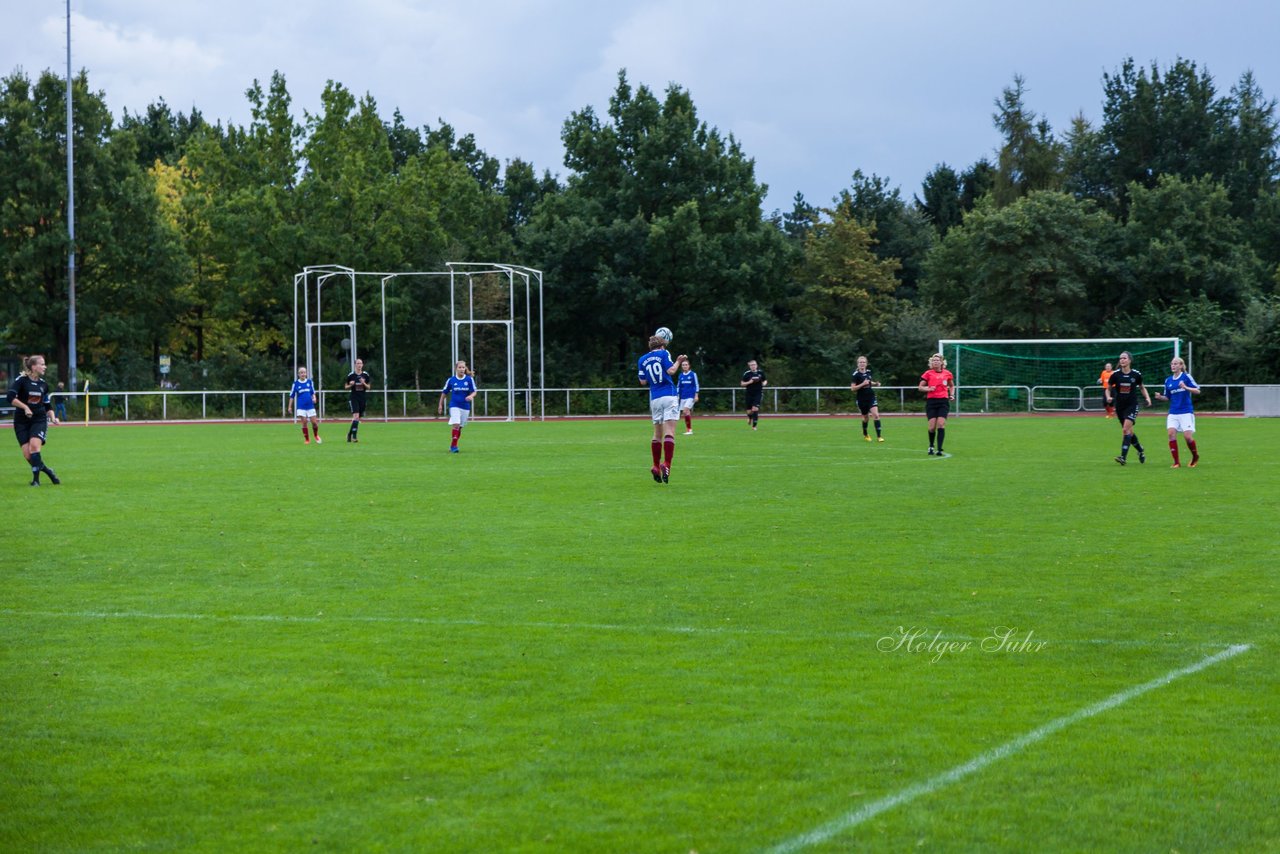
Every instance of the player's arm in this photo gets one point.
(440, 405)
(675, 366)
(1190, 385)
(1145, 393)
(13, 397)
(923, 385)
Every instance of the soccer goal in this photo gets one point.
(477, 303)
(1045, 374)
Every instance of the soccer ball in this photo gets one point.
(664, 333)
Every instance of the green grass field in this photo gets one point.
(215, 638)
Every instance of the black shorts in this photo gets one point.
(36, 428)
(357, 407)
(754, 401)
(865, 404)
(1128, 413)
(937, 407)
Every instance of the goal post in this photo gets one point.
(1045, 374)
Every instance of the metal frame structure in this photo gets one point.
(311, 321)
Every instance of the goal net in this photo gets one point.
(1056, 375)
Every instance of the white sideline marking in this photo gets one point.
(852, 819)
(317, 619)
(416, 621)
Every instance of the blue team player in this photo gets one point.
(655, 370)
(1178, 389)
(687, 383)
(303, 395)
(460, 390)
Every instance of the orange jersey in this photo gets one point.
(940, 383)
(1103, 377)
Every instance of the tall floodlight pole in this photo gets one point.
(71, 222)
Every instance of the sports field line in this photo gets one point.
(893, 633)
(824, 832)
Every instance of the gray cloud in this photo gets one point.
(812, 91)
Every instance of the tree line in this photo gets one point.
(1161, 220)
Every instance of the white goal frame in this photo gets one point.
(309, 320)
(955, 369)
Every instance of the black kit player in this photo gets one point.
(754, 382)
(32, 411)
(1122, 392)
(864, 385)
(358, 381)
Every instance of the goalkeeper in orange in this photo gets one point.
(1102, 381)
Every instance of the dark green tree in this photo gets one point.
(1030, 159)
(798, 222)
(976, 182)
(942, 204)
(1181, 242)
(1253, 149)
(659, 224)
(1025, 270)
(485, 169)
(244, 182)
(846, 293)
(128, 262)
(902, 232)
(405, 142)
(159, 134)
(1175, 123)
(523, 190)
(1084, 164)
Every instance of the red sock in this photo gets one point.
(1173, 449)
(688, 421)
(305, 434)
(657, 451)
(668, 449)
(1191, 445)
(457, 434)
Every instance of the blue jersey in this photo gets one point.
(653, 370)
(305, 392)
(458, 389)
(688, 382)
(1179, 398)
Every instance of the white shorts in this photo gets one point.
(459, 416)
(1183, 423)
(306, 413)
(665, 409)
(686, 403)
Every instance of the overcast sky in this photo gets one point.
(812, 91)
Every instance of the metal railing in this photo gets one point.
(389, 404)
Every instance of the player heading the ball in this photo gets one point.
(655, 370)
